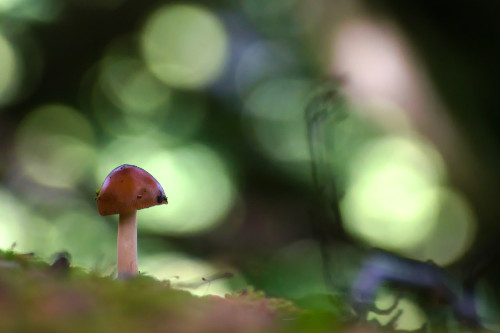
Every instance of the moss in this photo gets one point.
(38, 297)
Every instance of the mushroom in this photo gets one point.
(125, 190)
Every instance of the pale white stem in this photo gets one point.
(126, 252)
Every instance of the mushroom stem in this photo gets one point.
(126, 251)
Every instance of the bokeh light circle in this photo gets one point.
(81, 233)
(185, 46)
(21, 229)
(392, 197)
(184, 272)
(54, 146)
(131, 87)
(127, 99)
(276, 118)
(9, 70)
(279, 99)
(412, 317)
(12, 220)
(31, 10)
(454, 231)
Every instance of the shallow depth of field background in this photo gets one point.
(209, 97)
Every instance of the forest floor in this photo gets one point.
(39, 297)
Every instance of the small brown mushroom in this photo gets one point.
(125, 190)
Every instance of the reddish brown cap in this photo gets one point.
(128, 188)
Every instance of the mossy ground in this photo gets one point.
(39, 297)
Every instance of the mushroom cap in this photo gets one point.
(128, 188)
